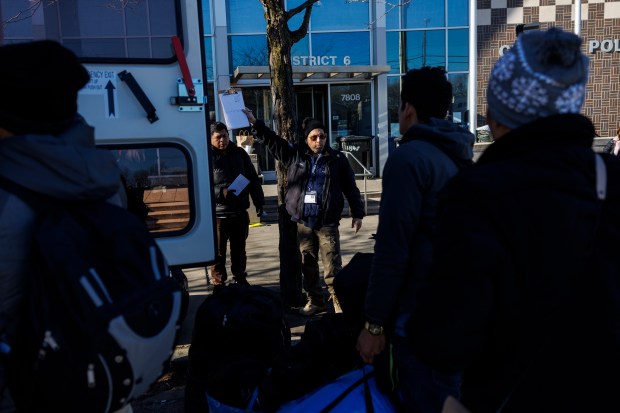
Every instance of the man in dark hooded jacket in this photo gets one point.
(431, 151)
(46, 147)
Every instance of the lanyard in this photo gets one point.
(315, 162)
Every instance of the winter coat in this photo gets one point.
(339, 179)
(227, 165)
(67, 166)
(523, 296)
(428, 156)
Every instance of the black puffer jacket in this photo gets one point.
(227, 165)
(340, 178)
(522, 295)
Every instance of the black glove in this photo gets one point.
(259, 211)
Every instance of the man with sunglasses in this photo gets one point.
(318, 177)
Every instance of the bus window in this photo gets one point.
(98, 30)
(156, 183)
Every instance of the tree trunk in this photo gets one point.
(285, 124)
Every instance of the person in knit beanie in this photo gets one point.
(523, 297)
(544, 74)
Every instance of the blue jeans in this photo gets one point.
(422, 389)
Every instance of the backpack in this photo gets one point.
(325, 351)
(100, 313)
(238, 332)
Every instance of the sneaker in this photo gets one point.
(312, 309)
(337, 308)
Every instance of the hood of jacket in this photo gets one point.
(66, 166)
(453, 140)
(544, 134)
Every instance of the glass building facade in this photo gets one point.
(381, 39)
(347, 68)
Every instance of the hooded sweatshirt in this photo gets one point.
(428, 156)
(66, 166)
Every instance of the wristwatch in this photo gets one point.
(374, 329)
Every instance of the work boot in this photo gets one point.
(312, 309)
(337, 308)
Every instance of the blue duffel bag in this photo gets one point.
(353, 392)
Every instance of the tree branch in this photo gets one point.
(299, 34)
(26, 13)
(305, 5)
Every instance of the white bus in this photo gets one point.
(146, 102)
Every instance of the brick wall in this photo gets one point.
(600, 20)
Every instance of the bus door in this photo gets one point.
(145, 100)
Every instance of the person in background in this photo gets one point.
(613, 145)
(523, 297)
(431, 151)
(318, 177)
(48, 148)
(230, 162)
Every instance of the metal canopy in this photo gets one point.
(304, 73)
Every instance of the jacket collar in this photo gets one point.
(542, 134)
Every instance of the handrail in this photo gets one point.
(366, 174)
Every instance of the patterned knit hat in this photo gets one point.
(544, 74)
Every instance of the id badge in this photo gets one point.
(310, 197)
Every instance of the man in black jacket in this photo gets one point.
(229, 163)
(318, 176)
(524, 294)
(432, 150)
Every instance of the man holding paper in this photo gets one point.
(319, 179)
(234, 179)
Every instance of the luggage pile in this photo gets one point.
(241, 360)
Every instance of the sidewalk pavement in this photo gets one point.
(263, 269)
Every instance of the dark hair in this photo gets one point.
(429, 91)
(218, 127)
(40, 82)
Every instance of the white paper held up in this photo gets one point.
(233, 105)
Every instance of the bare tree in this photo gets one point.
(280, 40)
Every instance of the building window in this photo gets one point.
(351, 110)
(340, 15)
(248, 51)
(338, 49)
(350, 45)
(422, 14)
(458, 13)
(428, 33)
(245, 16)
(460, 89)
(458, 50)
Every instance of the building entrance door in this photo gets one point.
(351, 121)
